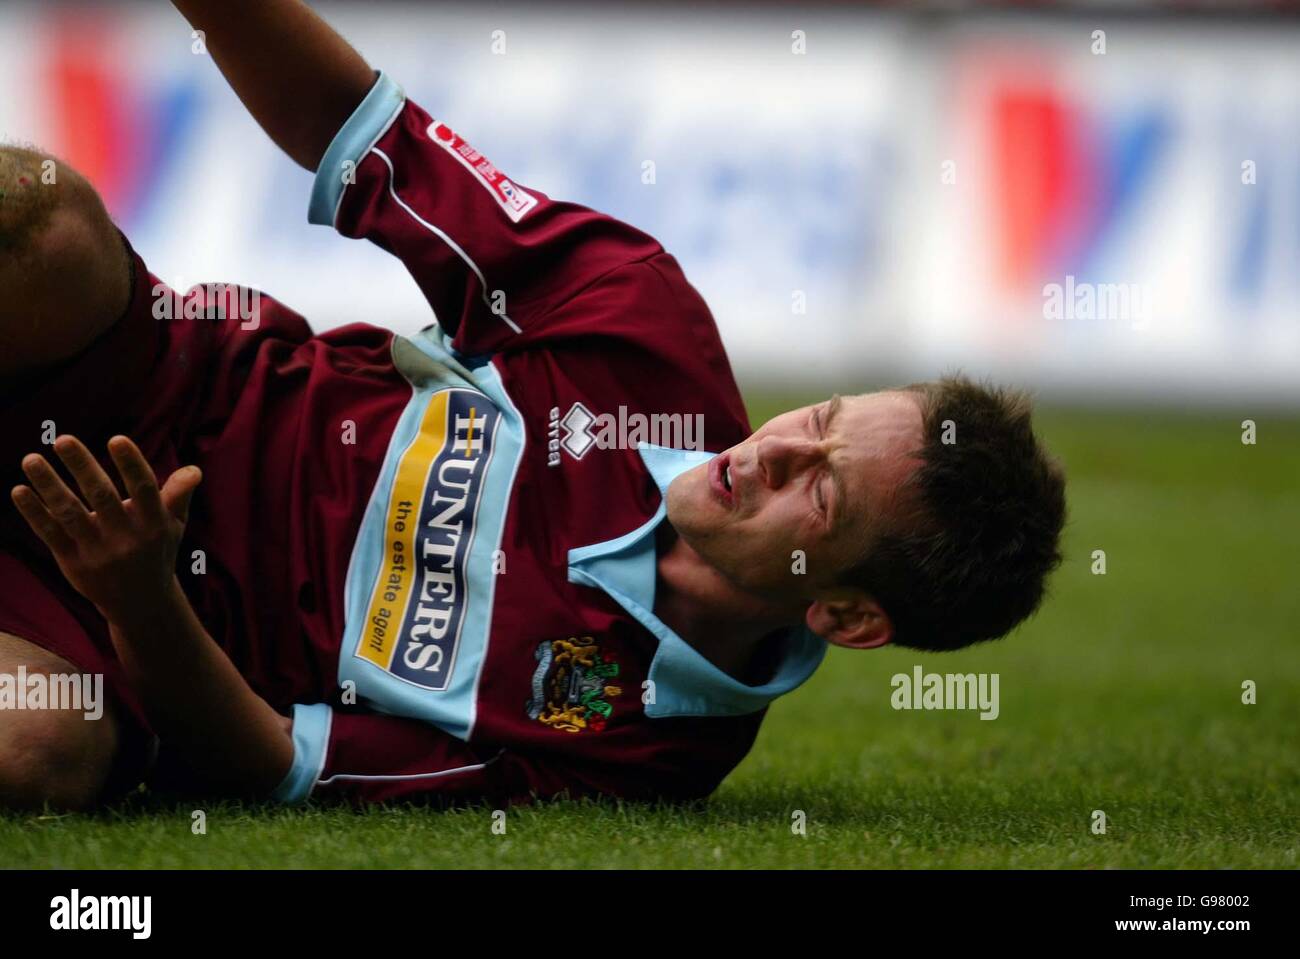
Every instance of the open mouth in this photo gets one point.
(720, 478)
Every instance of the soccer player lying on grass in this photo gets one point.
(412, 566)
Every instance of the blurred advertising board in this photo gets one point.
(859, 196)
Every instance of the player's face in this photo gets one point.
(815, 479)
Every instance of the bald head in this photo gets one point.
(64, 273)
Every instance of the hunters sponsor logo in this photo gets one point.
(417, 606)
(579, 431)
(571, 685)
(513, 200)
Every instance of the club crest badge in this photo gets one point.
(571, 685)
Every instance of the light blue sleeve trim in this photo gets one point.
(311, 736)
(353, 141)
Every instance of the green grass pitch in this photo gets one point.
(1123, 695)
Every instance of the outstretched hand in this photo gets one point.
(120, 553)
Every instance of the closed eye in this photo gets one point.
(819, 499)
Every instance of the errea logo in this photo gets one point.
(577, 427)
(580, 429)
(577, 437)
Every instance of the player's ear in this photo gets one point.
(850, 618)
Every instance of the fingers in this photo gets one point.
(60, 506)
(178, 491)
(95, 484)
(39, 519)
(60, 502)
(137, 476)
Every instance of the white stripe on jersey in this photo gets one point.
(439, 233)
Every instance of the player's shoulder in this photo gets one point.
(648, 294)
(646, 333)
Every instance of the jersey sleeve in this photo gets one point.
(369, 757)
(494, 258)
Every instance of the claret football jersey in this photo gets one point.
(437, 552)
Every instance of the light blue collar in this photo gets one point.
(684, 682)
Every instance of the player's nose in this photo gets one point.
(783, 458)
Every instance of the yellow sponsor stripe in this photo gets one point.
(392, 593)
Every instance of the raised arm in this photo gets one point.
(298, 78)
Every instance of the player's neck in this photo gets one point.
(724, 624)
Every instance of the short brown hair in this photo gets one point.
(969, 559)
(24, 207)
(65, 272)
